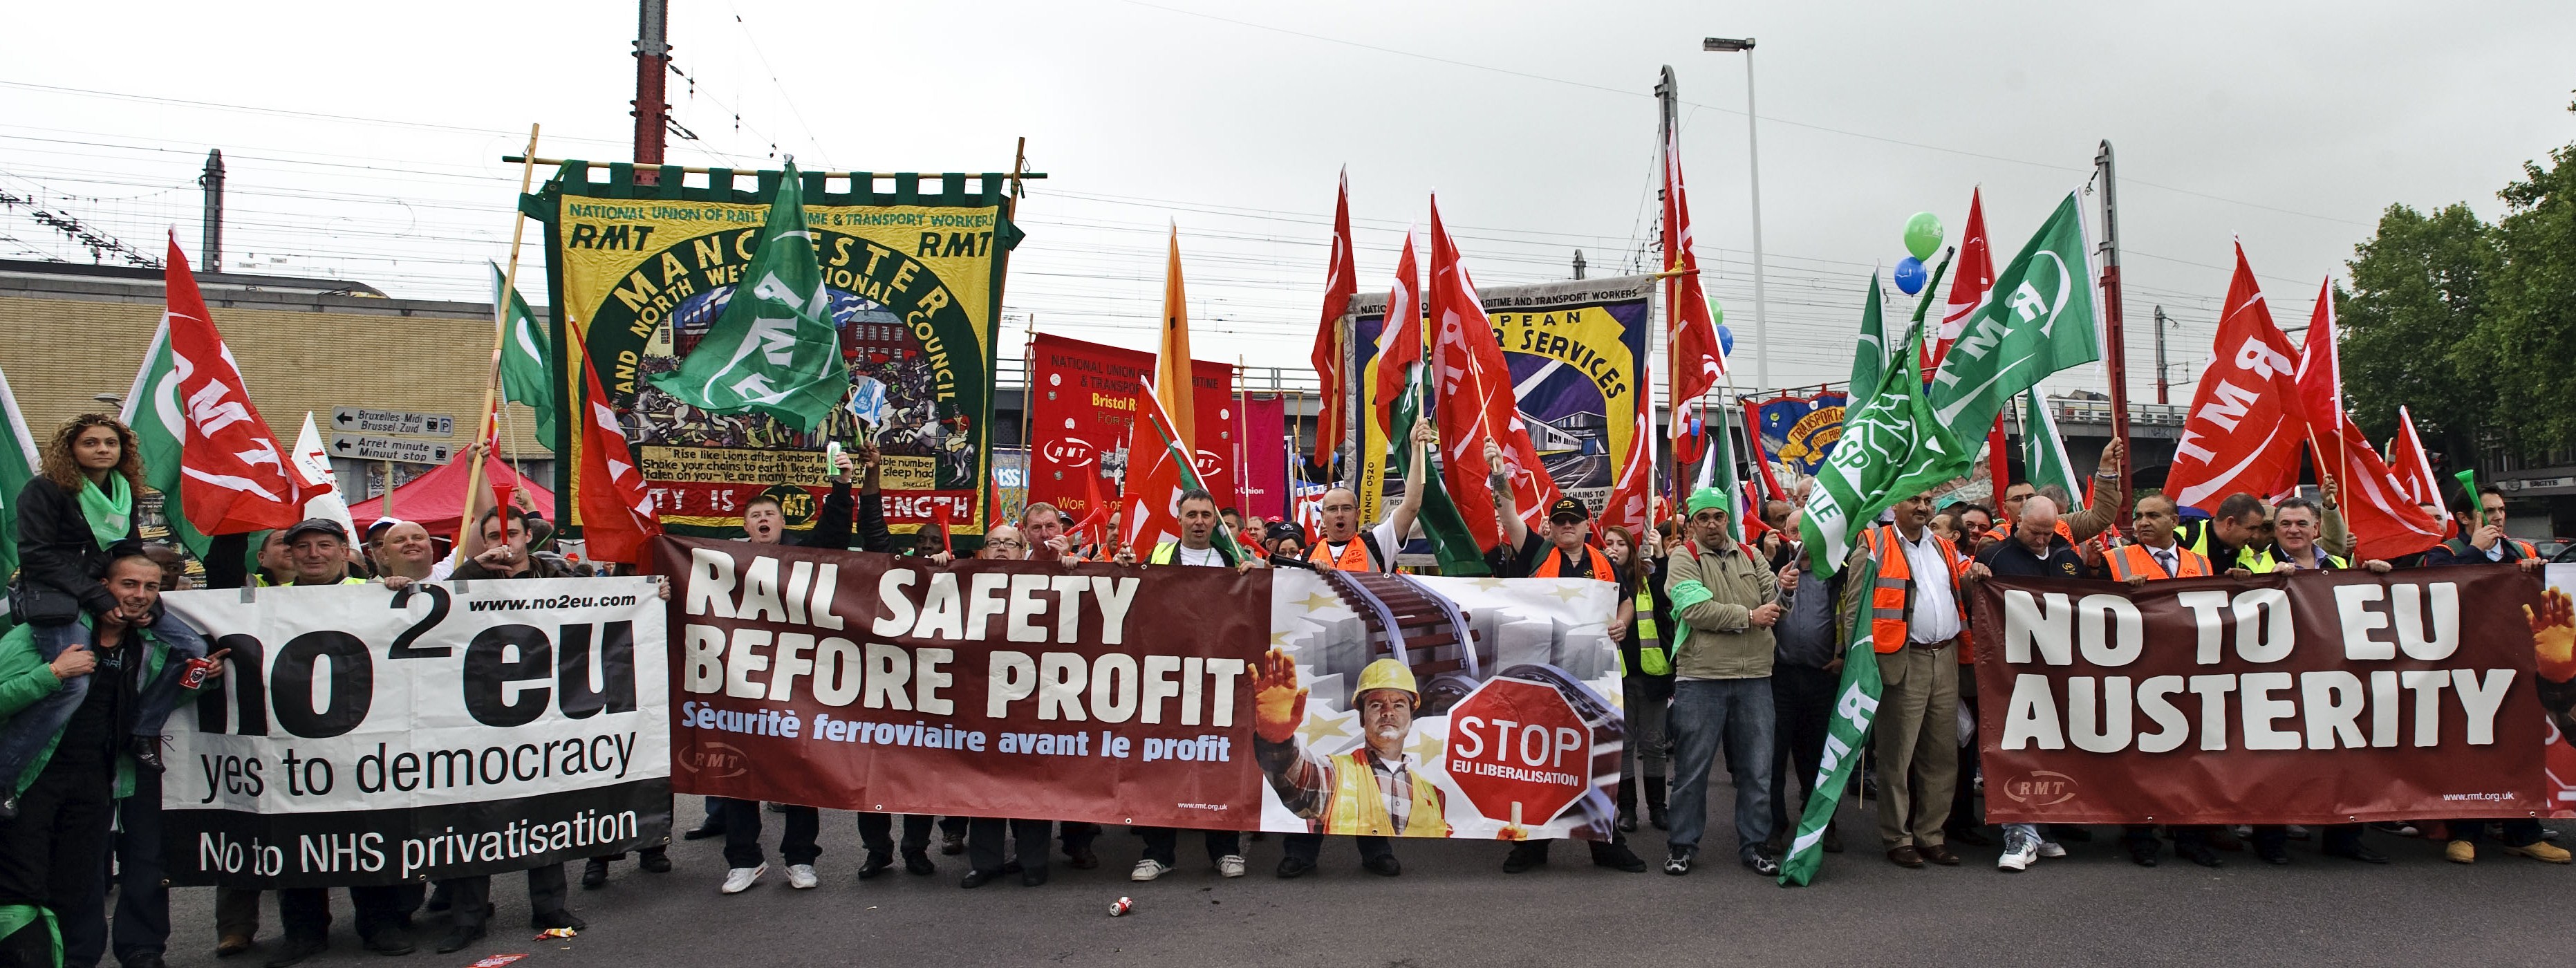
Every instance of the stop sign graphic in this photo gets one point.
(1519, 751)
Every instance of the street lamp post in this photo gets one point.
(1753, 148)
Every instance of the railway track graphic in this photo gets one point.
(1409, 622)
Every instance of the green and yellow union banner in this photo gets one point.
(1577, 352)
(914, 280)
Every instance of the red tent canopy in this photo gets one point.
(436, 500)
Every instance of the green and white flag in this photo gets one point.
(1890, 450)
(2043, 452)
(2040, 321)
(19, 460)
(774, 350)
(1855, 706)
(1869, 355)
(525, 376)
(152, 410)
(1439, 516)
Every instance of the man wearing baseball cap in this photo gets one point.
(1560, 552)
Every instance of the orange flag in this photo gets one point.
(1172, 361)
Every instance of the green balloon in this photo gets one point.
(1923, 235)
(1716, 313)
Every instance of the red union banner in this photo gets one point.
(1287, 700)
(1082, 399)
(2319, 697)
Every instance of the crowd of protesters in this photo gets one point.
(1727, 647)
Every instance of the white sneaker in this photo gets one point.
(2051, 849)
(801, 876)
(1148, 869)
(2021, 847)
(1230, 865)
(739, 879)
(2016, 860)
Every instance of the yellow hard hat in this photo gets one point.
(1386, 674)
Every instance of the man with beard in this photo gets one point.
(1376, 790)
(2156, 556)
(1916, 614)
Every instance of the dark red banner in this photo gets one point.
(2318, 697)
(1082, 399)
(992, 689)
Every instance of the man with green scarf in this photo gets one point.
(1724, 603)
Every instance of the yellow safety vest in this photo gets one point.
(1359, 804)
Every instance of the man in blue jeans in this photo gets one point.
(1725, 600)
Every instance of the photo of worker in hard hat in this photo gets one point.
(1378, 789)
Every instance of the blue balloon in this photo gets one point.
(1725, 340)
(1909, 275)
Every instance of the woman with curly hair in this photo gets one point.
(67, 520)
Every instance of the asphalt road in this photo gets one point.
(1453, 906)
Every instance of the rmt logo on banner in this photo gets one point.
(1519, 751)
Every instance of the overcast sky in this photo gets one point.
(373, 150)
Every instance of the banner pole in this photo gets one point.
(492, 377)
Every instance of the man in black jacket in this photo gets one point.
(2035, 550)
(765, 522)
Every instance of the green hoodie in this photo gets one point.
(26, 679)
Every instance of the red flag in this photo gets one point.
(2246, 419)
(233, 473)
(1341, 282)
(1476, 401)
(1097, 515)
(1152, 496)
(1761, 458)
(501, 489)
(1399, 340)
(1971, 287)
(617, 515)
(1698, 361)
(2321, 370)
(2414, 470)
(2384, 521)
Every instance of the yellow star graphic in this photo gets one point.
(1424, 746)
(1324, 726)
(1567, 591)
(1279, 639)
(1320, 601)
(1487, 584)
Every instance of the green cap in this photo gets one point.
(1705, 498)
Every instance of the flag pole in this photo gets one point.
(492, 377)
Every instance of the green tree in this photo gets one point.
(2529, 336)
(2419, 293)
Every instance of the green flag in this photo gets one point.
(18, 465)
(525, 376)
(1439, 516)
(1891, 450)
(1855, 705)
(152, 409)
(1222, 540)
(2040, 321)
(774, 350)
(1869, 355)
(2043, 452)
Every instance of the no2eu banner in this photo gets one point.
(365, 736)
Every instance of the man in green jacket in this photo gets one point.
(1725, 602)
(53, 854)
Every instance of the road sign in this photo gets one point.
(360, 420)
(390, 448)
(1519, 751)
